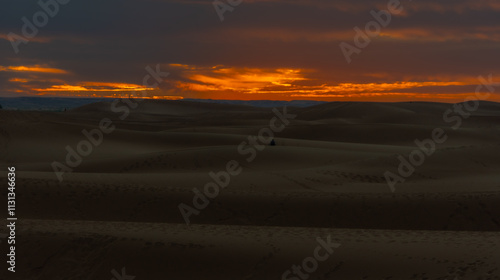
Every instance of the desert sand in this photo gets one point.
(119, 208)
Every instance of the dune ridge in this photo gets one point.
(325, 176)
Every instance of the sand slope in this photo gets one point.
(119, 207)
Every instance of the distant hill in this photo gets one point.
(45, 103)
(61, 103)
(262, 103)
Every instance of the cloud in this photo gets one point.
(250, 83)
(94, 87)
(32, 69)
(274, 49)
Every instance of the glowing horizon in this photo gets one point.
(231, 83)
(422, 53)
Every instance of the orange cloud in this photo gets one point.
(421, 34)
(93, 86)
(221, 82)
(394, 97)
(18, 80)
(287, 35)
(457, 6)
(251, 80)
(108, 95)
(442, 35)
(33, 68)
(247, 80)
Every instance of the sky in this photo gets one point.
(261, 50)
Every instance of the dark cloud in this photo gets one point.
(113, 41)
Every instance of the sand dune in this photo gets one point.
(119, 206)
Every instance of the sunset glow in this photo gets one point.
(90, 86)
(220, 82)
(291, 53)
(35, 69)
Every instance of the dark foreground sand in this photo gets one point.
(324, 179)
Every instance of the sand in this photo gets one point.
(119, 208)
